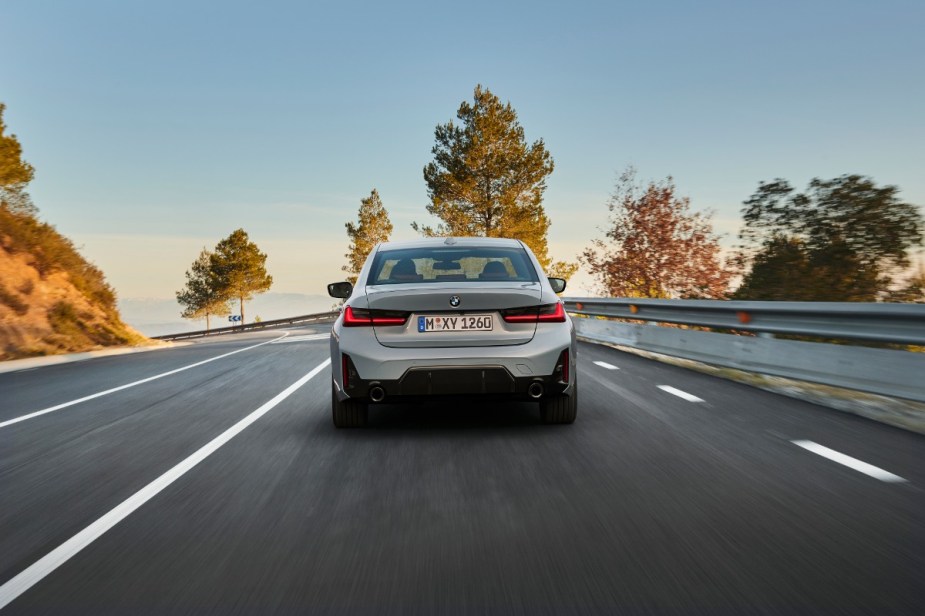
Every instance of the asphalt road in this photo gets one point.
(207, 491)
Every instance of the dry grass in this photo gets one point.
(51, 299)
(12, 300)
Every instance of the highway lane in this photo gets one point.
(35, 389)
(745, 411)
(650, 501)
(90, 457)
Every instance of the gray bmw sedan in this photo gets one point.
(452, 317)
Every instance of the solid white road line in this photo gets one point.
(58, 407)
(60, 555)
(861, 467)
(305, 338)
(680, 394)
(604, 364)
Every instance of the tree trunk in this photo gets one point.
(242, 310)
(207, 321)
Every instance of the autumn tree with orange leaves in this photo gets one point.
(655, 246)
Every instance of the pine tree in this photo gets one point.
(485, 180)
(15, 173)
(201, 297)
(372, 226)
(656, 246)
(239, 268)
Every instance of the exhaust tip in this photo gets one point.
(376, 393)
(535, 390)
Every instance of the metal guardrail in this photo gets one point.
(874, 322)
(882, 371)
(889, 372)
(308, 318)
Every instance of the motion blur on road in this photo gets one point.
(209, 490)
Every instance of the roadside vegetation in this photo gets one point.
(486, 180)
(51, 298)
(233, 272)
(656, 246)
(845, 239)
(372, 227)
(201, 297)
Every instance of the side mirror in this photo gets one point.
(340, 290)
(557, 284)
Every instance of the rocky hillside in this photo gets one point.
(51, 299)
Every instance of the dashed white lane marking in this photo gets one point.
(854, 463)
(60, 555)
(680, 394)
(604, 364)
(58, 407)
(305, 338)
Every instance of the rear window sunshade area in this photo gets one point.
(451, 264)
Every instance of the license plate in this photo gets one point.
(461, 323)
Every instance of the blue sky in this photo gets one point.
(157, 128)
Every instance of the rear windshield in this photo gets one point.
(451, 264)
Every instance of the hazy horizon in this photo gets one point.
(159, 316)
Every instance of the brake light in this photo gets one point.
(360, 317)
(552, 313)
(549, 313)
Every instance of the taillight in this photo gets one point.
(548, 313)
(360, 317)
(552, 313)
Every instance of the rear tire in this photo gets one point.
(560, 409)
(347, 413)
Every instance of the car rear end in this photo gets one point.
(456, 317)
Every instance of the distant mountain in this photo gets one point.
(158, 317)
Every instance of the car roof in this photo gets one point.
(432, 242)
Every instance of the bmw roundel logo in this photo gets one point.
(454, 301)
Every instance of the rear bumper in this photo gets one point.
(482, 381)
(407, 374)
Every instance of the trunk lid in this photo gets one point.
(433, 300)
